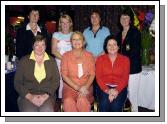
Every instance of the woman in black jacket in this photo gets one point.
(129, 40)
(26, 33)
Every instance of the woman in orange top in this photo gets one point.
(78, 72)
(112, 74)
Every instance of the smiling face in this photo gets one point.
(65, 24)
(112, 47)
(125, 20)
(39, 47)
(34, 16)
(77, 41)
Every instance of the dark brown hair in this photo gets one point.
(39, 38)
(106, 42)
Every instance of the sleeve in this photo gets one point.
(99, 75)
(20, 47)
(19, 79)
(64, 65)
(107, 32)
(92, 65)
(48, 40)
(55, 82)
(55, 35)
(84, 32)
(123, 81)
(136, 44)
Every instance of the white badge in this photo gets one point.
(80, 70)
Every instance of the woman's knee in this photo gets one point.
(69, 104)
(48, 105)
(83, 104)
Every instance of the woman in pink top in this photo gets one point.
(78, 72)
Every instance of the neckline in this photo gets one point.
(65, 34)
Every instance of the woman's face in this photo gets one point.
(39, 48)
(95, 19)
(112, 47)
(34, 16)
(125, 20)
(77, 41)
(65, 24)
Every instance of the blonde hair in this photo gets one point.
(65, 16)
(80, 34)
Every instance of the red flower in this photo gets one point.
(141, 16)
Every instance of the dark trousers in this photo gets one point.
(26, 106)
(96, 90)
(116, 105)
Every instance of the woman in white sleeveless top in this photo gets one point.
(61, 42)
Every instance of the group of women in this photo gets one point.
(38, 76)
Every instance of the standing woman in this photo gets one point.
(61, 42)
(26, 33)
(112, 74)
(36, 79)
(78, 72)
(129, 40)
(95, 35)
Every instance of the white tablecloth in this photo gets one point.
(146, 96)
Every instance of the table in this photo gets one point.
(10, 93)
(146, 95)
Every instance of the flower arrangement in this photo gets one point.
(144, 21)
(152, 28)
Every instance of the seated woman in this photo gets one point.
(112, 74)
(36, 79)
(78, 72)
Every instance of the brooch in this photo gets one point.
(127, 47)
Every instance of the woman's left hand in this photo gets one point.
(83, 90)
(44, 97)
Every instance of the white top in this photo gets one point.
(29, 28)
(64, 43)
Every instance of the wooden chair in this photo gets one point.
(127, 106)
(94, 107)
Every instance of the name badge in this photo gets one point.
(80, 70)
(127, 47)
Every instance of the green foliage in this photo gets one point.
(146, 39)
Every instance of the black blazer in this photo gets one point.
(131, 48)
(24, 42)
